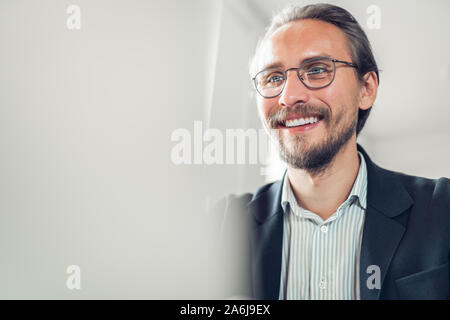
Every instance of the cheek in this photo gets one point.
(339, 100)
(344, 93)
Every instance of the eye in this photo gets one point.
(316, 70)
(273, 79)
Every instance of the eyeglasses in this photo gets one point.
(314, 73)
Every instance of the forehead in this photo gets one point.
(300, 40)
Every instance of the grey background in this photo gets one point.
(87, 115)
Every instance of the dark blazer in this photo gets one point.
(406, 233)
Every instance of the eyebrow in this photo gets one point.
(280, 65)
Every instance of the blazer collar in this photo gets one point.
(268, 203)
(385, 191)
(387, 199)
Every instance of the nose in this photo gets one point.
(294, 90)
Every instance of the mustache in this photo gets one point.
(278, 117)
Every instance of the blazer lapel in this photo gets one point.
(386, 199)
(267, 242)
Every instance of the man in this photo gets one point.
(336, 226)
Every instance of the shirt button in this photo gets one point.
(322, 285)
(324, 228)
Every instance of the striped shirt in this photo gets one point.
(320, 259)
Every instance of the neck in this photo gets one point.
(324, 193)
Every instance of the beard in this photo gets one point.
(315, 159)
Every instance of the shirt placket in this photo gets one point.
(321, 274)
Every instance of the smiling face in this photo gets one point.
(311, 147)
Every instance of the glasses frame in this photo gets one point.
(350, 64)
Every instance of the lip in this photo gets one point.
(303, 128)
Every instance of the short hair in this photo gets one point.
(360, 48)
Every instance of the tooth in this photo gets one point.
(300, 121)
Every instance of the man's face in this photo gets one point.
(310, 147)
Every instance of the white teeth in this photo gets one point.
(301, 121)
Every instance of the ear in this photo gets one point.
(369, 88)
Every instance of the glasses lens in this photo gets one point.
(317, 73)
(270, 82)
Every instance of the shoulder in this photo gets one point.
(234, 206)
(430, 197)
(230, 202)
(233, 201)
(419, 187)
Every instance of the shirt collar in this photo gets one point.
(358, 192)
